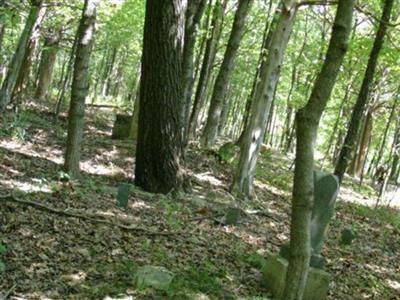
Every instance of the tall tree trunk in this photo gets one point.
(206, 68)
(18, 57)
(66, 79)
(362, 99)
(392, 115)
(47, 61)
(194, 14)
(364, 143)
(395, 168)
(210, 133)
(307, 121)
(109, 72)
(80, 87)
(269, 75)
(263, 51)
(160, 143)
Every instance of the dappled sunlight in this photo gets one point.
(26, 187)
(209, 178)
(27, 148)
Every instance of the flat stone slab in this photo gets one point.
(274, 275)
(153, 276)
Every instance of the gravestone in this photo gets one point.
(347, 237)
(326, 188)
(123, 195)
(153, 277)
(232, 216)
(122, 126)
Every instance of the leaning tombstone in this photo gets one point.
(122, 126)
(326, 188)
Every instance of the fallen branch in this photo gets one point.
(85, 217)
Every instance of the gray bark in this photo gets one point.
(269, 75)
(80, 87)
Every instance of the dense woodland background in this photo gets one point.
(200, 106)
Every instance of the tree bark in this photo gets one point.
(362, 99)
(210, 133)
(160, 143)
(15, 65)
(307, 121)
(269, 75)
(47, 62)
(80, 87)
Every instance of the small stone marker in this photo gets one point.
(122, 126)
(123, 195)
(347, 237)
(153, 276)
(232, 216)
(274, 274)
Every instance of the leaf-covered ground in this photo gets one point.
(54, 256)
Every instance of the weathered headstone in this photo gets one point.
(347, 237)
(122, 126)
(153, 276)
(326, 189)
(123, 195)
(274, 274)
(232, 216)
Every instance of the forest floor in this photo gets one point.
(53, 255)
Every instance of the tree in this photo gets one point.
(16, 62)
(221, 83)
(80, 87)
(208, 60)
(47, 62)
(363, 96)
(160, 143)
(194, 14)
(307, 122)
(253, 137)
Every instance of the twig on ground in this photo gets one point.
(92, 219)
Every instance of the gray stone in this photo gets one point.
(347, 237)
(123, 195)
(274, 275)
(326, 189)
(232, 216)
(153, 276)
(122, 126)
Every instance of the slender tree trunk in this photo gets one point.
(362, 100)
(194, 14)
(18, 57)
(109, 72)
(364, 143)
(387, 127)
(206, 68)
(269, 75)
(210, 133)
(307, 121)
(160, 143)
(80, 87)
(263, 51)
(66, 79)
(47, 61)
(394, 173)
